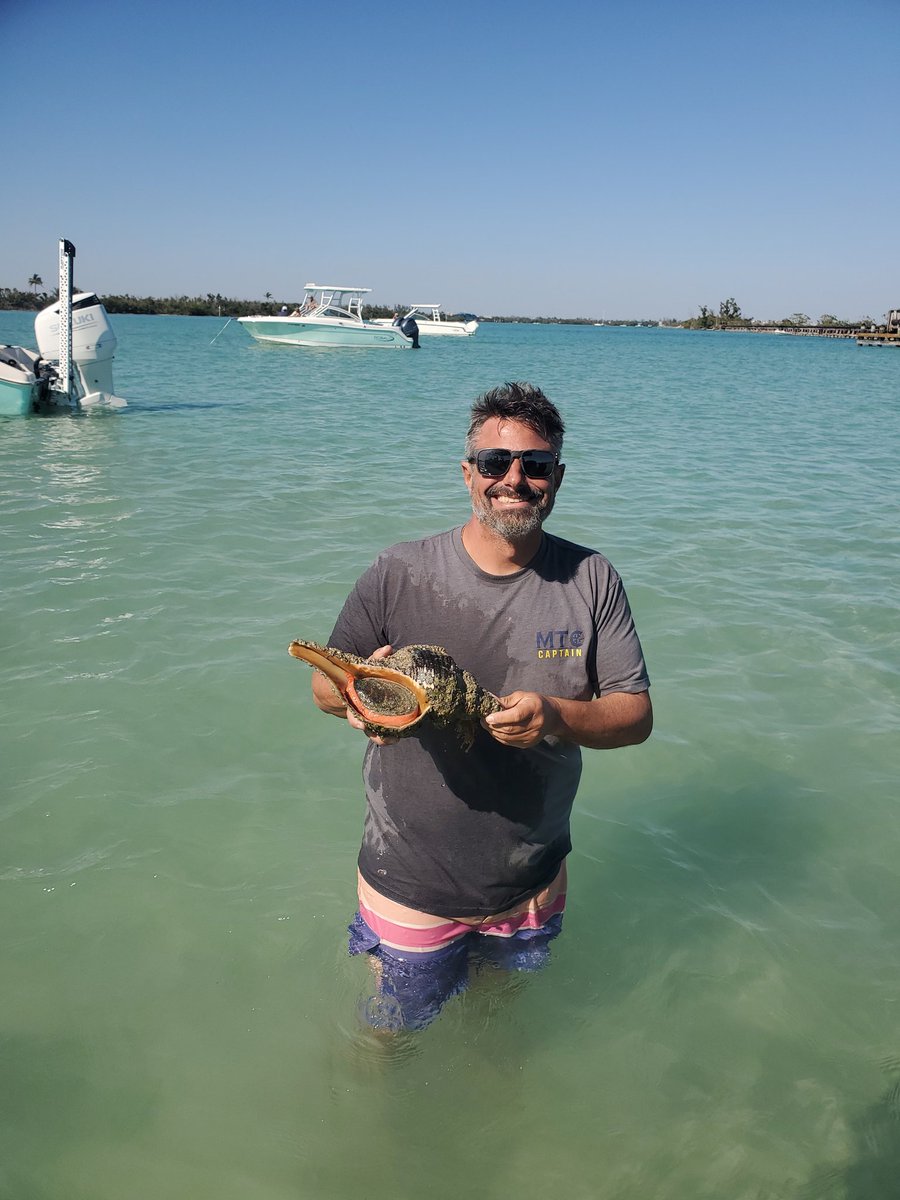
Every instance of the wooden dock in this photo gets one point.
(878, 339)
(887, 334)
(829, 331)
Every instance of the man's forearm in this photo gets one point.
(619, 719)
(605, 723)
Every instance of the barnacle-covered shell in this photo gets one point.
(393, 695)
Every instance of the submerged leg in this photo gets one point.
(410, 988)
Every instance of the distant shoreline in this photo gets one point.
(15, 300)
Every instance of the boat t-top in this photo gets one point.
(329, 316)
(432, 322)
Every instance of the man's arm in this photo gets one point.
(605, 723)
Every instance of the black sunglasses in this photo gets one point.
(536, 464)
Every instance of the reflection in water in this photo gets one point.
(74, 460)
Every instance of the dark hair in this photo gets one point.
(523, 402)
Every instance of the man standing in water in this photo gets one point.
(463, 854)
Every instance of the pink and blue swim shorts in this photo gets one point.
(423, 960)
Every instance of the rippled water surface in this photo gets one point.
(179, 825)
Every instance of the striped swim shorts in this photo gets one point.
(423, 960)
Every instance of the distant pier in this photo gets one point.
(866, 335)
(878, 339)
(832, 331)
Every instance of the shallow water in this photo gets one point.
(180, 825)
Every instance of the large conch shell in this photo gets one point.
(392, 695)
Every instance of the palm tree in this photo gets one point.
(35, 282)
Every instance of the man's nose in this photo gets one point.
(515, 476)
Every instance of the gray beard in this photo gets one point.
(512, 527)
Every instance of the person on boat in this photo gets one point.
(296, 311)
(463, 858)
(409, 327)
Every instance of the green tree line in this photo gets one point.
(730, 316)
(729, 313)
(210, 305)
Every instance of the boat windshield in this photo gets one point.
(332, 310)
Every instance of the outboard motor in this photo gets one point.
(409, 327)
(93, 347)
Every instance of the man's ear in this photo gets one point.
(560, 471)
(467, 474)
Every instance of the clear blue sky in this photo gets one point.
(617, 159)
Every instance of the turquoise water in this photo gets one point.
(179, 825)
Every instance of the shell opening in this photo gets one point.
(383, 701)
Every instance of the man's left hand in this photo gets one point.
(525, 718)
(604, 723)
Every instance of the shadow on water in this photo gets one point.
(76, 414)
(693, 865)
(179, 406)
(874, 1172)
(55, 1100)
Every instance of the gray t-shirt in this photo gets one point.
(471, 833)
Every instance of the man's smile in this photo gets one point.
(507, 496)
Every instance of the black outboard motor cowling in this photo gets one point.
(409, 327)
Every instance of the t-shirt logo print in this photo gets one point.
(559, 643)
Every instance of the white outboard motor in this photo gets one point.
(93, 347)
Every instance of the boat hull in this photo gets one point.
(21, 384)
(16, 399)
(454, 329)
(292, 331)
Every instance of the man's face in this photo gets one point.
(512, 506)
